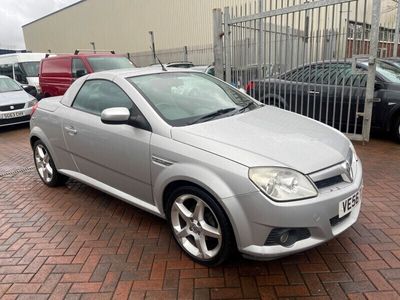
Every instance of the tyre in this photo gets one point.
(45, 166)
(396, 129)
(200, 226)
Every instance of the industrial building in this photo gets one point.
(124, 25)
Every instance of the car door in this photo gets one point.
(342, 97)
(292, 88)
(115, 155)
(310, 91)
(55, 75)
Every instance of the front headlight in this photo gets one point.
(355, 157)
(32, 102)
(282, 184)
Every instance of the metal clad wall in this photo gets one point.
(123, 25)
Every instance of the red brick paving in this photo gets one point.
(75, 242)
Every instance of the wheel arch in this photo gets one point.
(173, 185)
(33, 139)
(36, 135)
(180, 174)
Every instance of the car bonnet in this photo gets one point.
(269, 137)
(14, 97)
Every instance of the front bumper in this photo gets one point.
(24, 115)
(254, 216)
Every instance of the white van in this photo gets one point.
(22, 67)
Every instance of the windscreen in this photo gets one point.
(8, 85)
(182, 98)
(391, 73)
(31, 69)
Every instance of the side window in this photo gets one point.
(289, 76)
(19, 74)
(330, 73)
(302, 75)
(338, 74)
(346, 75)
(77, 65)
(320, 73)
(334, 75)
(297, 75)
(363, 80)
(97, 95)
(314, 73)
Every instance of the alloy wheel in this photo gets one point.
(196, 227)
(42, 159)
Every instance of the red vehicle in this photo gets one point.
(57, 73)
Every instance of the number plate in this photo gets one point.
(346, 206)
(13, 115)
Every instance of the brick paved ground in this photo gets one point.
(76, 242)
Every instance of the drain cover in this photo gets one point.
(16, 171)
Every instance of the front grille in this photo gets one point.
(12, 107)
(329, 182)
(336, 220)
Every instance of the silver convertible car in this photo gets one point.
(225, 171)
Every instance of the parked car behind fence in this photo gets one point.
(333, 93)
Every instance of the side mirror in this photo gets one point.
(379, 86)
(80, 73)
(31, 90)
(115, 115)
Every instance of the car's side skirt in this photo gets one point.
(112, 191)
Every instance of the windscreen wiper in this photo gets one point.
(243, 108)
(213, 115)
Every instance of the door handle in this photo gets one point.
(313, 92)
(71, 130)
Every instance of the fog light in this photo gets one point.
(288, 238)
(284, 237)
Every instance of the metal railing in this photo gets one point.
(316, 58)
(198, 55)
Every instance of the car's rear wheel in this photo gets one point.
(396, 129)
(199, 226)
(45, 166)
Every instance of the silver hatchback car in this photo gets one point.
(15, 104)
(225, 171)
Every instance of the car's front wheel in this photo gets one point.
(200, 226)
(45, 166)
